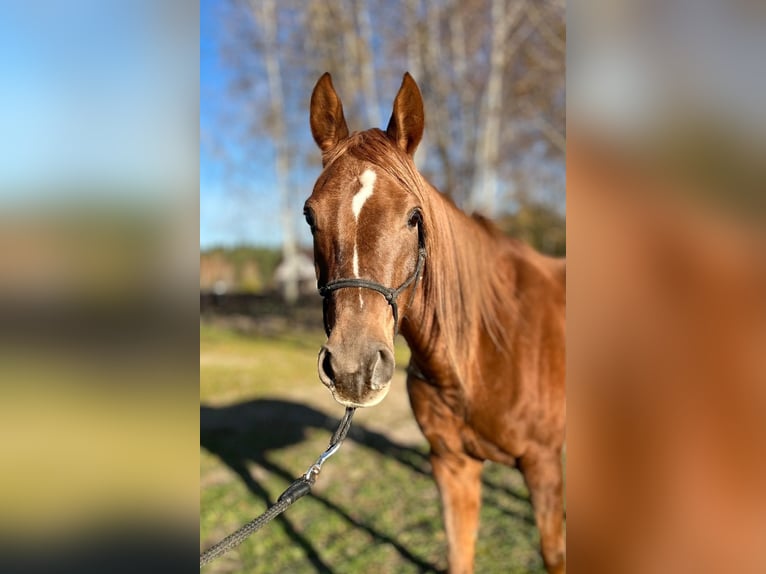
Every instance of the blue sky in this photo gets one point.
(235, 207)
(100, 96)
(95, 94)
(215, 210)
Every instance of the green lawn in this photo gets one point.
(265, 417)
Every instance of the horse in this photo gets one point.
(482, 313)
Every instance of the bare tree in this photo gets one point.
(264, 12)
(491, 73)
(414, 34)
(485, 186)
(365, 61)
(466, 116)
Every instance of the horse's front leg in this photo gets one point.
(543, 474)
(458, 477)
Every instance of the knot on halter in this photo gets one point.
(389, 293)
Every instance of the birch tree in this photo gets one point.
(485, 186)
(264, 12)
(365, 62)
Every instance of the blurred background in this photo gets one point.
(666, 292)
(492, 76)
(98, 285)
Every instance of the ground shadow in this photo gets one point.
(247, 432)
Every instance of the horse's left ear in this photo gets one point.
(405, 128)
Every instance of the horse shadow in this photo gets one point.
(248, 432)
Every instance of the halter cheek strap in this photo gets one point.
(389, 293)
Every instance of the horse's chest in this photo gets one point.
(453, 421)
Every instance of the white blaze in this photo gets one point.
(356, 274)
(356, 263)
(367, 179)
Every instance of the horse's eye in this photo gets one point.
(309, 215)
(415, 218)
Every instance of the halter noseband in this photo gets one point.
(389, 293)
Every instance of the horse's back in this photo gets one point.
(537, 276)
(515, 252)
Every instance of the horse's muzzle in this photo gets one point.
(358, 378)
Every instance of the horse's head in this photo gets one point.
(368, 241)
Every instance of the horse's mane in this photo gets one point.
(460, 282)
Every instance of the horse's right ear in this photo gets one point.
(328, 126)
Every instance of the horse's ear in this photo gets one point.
(405, 128)
(328, 126)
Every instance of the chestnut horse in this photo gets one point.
(483, 316)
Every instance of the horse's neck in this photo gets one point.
(424, 329)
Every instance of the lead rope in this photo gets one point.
(298, 489)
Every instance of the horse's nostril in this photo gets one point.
(327, 365)
(383, 368)
(326, 372)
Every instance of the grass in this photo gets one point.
(265, 418)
